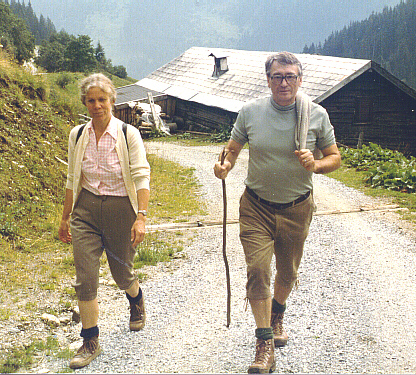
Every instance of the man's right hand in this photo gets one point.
(221, 171)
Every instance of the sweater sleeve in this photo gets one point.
(71, 158)
(139, 166)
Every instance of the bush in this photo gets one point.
(64, 79)
(384, 168)
(224, 134)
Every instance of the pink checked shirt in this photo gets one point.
(101, 169)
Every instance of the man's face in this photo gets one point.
(284, 91)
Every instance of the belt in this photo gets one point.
(278, 206)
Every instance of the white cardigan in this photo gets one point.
(134, 166)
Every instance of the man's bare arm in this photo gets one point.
(330, 162)
(232, 151)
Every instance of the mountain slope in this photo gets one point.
(387, 37)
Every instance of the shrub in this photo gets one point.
(64, 79)
(384, 168)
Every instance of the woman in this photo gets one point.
(107, 194)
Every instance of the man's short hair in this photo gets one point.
(283, 58)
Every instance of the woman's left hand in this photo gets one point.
(138, 230)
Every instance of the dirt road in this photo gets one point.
(353, 312)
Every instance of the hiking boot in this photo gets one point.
(89, 350)
(137, 315)
(264, 361)
(279, 334)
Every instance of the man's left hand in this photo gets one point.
(306, 159)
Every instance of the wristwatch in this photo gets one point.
(143, 212)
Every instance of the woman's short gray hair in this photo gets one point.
(283, 58)
(97, 80)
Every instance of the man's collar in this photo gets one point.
(281, 107)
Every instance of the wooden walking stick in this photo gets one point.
(224, 243)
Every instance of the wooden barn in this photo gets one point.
(204, 88)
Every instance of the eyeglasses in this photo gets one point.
(290, 78)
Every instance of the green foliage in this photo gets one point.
(51, 56)
(119, 71)
(64, 52)
(31, 139)
(384, 168)
(64, 79)
(14, 35)
(80, 55)
(224, 134)
(41, 28)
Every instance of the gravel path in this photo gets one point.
(353, 312)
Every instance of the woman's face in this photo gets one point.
(98, 104)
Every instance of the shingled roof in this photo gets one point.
(190, 76)
(131, 93)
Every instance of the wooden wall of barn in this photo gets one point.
(200, 117)
(372, 108)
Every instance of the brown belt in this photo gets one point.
(278, 206)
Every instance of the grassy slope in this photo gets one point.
(32, 138)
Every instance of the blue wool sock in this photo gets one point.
(277, 308)
(89, 332)
(135, 299)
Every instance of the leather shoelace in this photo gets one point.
(277, 324)
(262, 352)
(88, 347)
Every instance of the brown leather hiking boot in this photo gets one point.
(279, 334)
(137, 315)
(264, 360)
(89, 350)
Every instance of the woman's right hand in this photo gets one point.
(63, 231)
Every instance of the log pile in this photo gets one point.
(149, 118)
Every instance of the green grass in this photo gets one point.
(24, 357)
(356, 179)
(186, 139)
(5, 314)
(174, 192)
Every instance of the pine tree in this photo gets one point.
(387, 38)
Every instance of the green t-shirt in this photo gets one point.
(274, 171)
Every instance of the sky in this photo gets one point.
(144, 35)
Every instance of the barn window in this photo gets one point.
(364, 110)
(220, 65)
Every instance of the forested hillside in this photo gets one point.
(388, 38)
(20, 31)
(41, 28)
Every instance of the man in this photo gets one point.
(277, 206)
